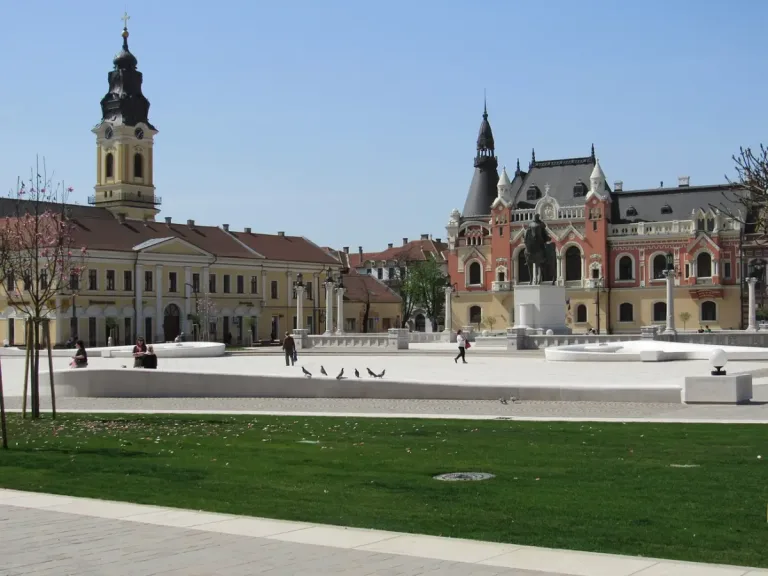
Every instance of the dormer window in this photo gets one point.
(579, 189)
(631, 211)
(666, 209)
(533, 193)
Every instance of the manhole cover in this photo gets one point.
(464, 476)
(308, 442)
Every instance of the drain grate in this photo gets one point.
(464, 476)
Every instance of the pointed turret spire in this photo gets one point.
(485, 144)
(124, 103)
(593, 151)
(597, 182)
(504, 178)
(533, 159)
(482, 190)
(517, 170)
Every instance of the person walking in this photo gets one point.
(462, 342)
(289, 347)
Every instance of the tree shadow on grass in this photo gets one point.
(111, 452)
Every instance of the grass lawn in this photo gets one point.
(690, 492)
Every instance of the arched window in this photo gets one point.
(572, 264)
(475, 273)
(138, 166)
(626, 268)
(704, 265)
(581, 314)
(109, 166)
(475, 315)
(708, 311)
(660, 312)
(659, 266)
(523, 273)
(626, 312)
(501, 275)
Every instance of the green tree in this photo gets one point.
(684, 317)
(424, 286)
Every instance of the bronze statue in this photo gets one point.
(537, 242)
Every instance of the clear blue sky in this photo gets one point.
(354, 122)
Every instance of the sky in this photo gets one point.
(354, 123)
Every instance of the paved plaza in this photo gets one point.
(48, 535)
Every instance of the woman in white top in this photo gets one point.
(462, 342)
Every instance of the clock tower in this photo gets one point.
(124, 143)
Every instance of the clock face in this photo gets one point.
(139, 133)
(108, 133)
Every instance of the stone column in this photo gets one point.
(159, 312)
(299, 307)
(448, 314)
(328, 308)
(264, 291)
(670, 329)
(559, 270)
(289, 283)
(187, 301)
(340, 310)
(583, 271)
(752, 305)
(139, 308)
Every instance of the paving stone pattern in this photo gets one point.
(757, 412)
(47, 543)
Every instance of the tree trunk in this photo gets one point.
(36, 370)
(27, 365)
(365, 318)
(3, 424)
(47, 339)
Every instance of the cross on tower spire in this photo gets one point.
(125, 19)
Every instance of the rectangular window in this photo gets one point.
(273, 290)
(148, 284)
(594, 226)
(212, 283)
(74, 281)
(308, 290)
(127, 335)
(391, 273)
(380, 273)
(368, 271)
(687, 270)
(43, 280)
(171, 281)
(727, 270)
(196, 283)
(226, 283)
(148, 330)
(240, 284)
(93, 280)
(110, 280)
(127, 286)
(28, 281)
(10, 281)
(402, 273)
(254, 284)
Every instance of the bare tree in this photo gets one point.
(366, 310)
(38, 261)
(749, 191)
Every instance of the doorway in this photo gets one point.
(421, 323)
(274, 331)
(171, 322)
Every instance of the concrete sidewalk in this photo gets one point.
(46, 534)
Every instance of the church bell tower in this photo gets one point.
(124, 143)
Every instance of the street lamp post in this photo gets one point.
(669, 274)
(598, 284)
(339, 305)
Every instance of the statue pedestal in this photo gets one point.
(541, 307)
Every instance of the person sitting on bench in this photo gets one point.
(150, 358)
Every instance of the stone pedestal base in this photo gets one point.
(301, 338)
(398, 338)
(736, 389)
(541, 307)
(448, 336)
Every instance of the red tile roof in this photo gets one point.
(413, 251)
(287, 248)
(357, 285)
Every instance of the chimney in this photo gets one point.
(281, 233)
(346, 249)
(684, 181)
(425, 236)
(405, 241)
(437, 240)
(390, 245)
(121, 217)
(191, 223)
(168, 220)
(661, 184)
(226, 227)
(618, 186)
(248, 230)
(360, 251)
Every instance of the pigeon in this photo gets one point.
(341, 375)
(503, 400)
(307, 373)
(379, 375)
(357, 374)
(371, 373)
(322, 370)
